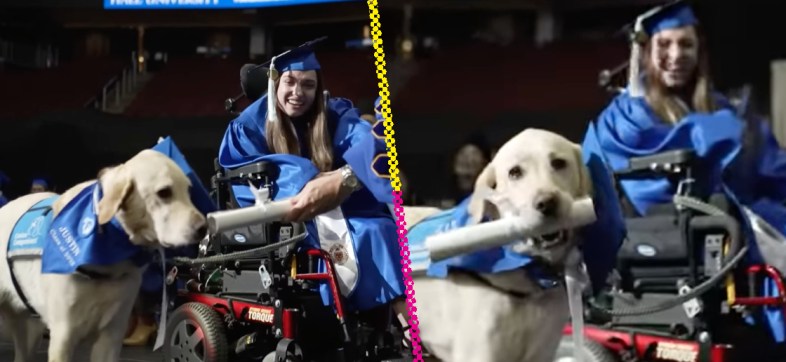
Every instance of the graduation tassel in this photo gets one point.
(272, 76)
(634, 70)
(638, 38)
(634, 65)
(326, 98)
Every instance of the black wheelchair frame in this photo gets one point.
(286, 320)
(676, 258)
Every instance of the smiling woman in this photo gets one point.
(676, 77)
(341, 187)
(296, 92)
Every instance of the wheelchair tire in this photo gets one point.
(183, 325)
(593, 351)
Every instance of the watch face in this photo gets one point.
(349, 180)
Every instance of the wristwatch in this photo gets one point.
(348, 178)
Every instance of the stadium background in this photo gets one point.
(70, 102)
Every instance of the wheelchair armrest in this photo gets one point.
(258, 168)
(664, 163)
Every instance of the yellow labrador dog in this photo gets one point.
(149, 197)
(507, 317)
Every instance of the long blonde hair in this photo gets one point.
(282, 138)
(667, 105)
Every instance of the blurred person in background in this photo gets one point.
(468, 162)
(142, 326)
(39, 184)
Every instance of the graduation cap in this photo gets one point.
(675, 14)
(40, 181)
(300, 58)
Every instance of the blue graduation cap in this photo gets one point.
(675, 14)
(300, 58)
(40, 181)
(199, 195)
(671, 16)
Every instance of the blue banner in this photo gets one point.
(206, 4)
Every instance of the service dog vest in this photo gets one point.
(73, 239)
(30, 232)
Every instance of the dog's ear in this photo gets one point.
(103, 171)
(478, 205)
(583, 176)
(117, 185)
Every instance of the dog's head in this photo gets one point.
(535, 175)
(149, 194)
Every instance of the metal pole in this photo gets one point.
(134, 69)
(777, 92)
(123, 84)
(140, 45)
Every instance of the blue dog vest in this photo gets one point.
(30, 232)
(73, 239)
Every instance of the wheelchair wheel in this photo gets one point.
(593, 351)
(195, 333)
(271, 357)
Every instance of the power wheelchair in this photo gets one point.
(252, 293)
(253, 297)
(680, 291)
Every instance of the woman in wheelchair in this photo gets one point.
(669, 104)
(333, 166)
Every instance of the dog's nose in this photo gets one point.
(546, 203)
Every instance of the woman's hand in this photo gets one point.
(320, 195)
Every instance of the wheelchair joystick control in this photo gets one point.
(261, 195)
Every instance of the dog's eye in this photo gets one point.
(165, 193)
(559, 164)
(515, 173)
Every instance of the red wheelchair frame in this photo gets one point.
(644, 345)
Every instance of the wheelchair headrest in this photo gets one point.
(253, 81)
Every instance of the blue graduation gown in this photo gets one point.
(628, 127)
(370, 222)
